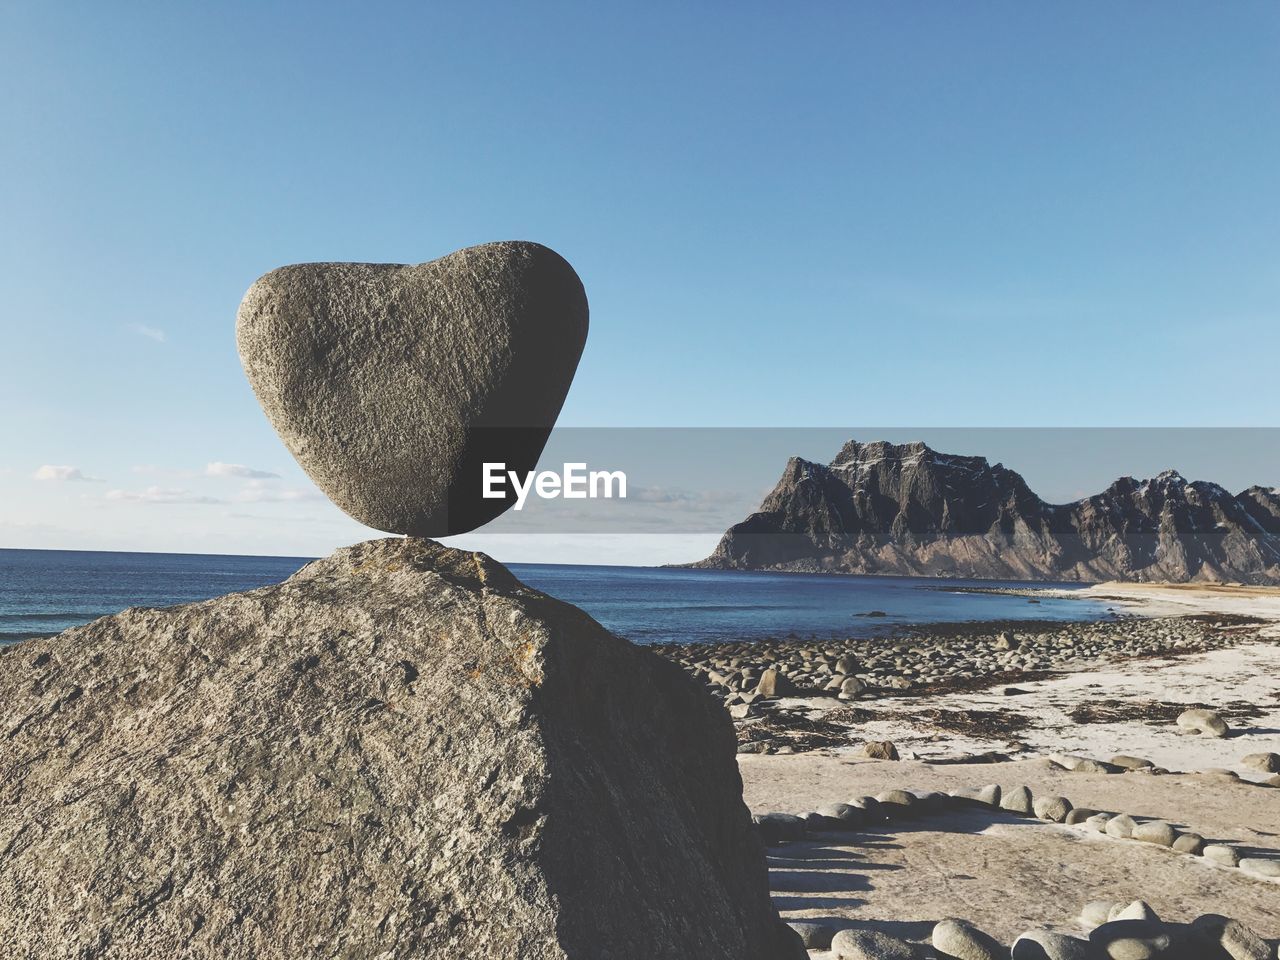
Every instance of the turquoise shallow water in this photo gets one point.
(46, 591)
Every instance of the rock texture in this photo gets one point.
(399, 752)
(393, 384)
(881, 508)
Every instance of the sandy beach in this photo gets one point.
(1007, 873)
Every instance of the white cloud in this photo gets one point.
(64, 474)
(160, 495)
(151, 333)
(220, 469)
(257, 493)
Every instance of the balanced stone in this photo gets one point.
(392, 385)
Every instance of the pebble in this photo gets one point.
(1155, 831)
(929, 660)
(871, 945)
(1054, 809)
(895, 802)
(1230, 936)
(1017, 800)
(1098, 822)
(1131, 939)
(961, 940)
(1137, 910)
(845, 813)
(1221, 853)
(1131, 763)
(1191, 843)
(880, 750)
(989, 795)
(815, 936)
(1046, 945)
(1207, 723)
(1097, 912)
(1121, 827)
(777, 827)
(1266, 762)
(1079, 815)
(1260, 867)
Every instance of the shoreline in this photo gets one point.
(1006, 688)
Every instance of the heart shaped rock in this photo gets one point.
(393, 384)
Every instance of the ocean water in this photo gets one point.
(46, 591)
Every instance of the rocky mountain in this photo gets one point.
(881, 508)
(401, 751)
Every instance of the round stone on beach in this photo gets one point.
(1121, 827)
(773, 683)
(392, 385)
(1079, 815)
(1261, 867)
(1054, 809)
(1137, 910)
(1191, 843)
(1131, 939)
(880, 750)
(1207, 723)
(989, 795)
(895, 803)
(1097, 912)
(1017, 800)
(1047, 945)
(1098, 822)
(777, 827)
(961, 940)
(1131, 763)
(850, 687)
(846, 814)
(871, 808)
(1157, 832)
(1265, 762)
(814, 936)
(1230, 938)
(1221, 853)
(871, 945)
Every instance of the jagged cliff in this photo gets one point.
(883, 508)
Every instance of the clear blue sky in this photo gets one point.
(979, 214)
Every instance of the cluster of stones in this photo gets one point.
(1119, 931)
(1190, 722)
(748, 672)
(1130, 932)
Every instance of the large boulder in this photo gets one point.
(401, 751)
(392, 384)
